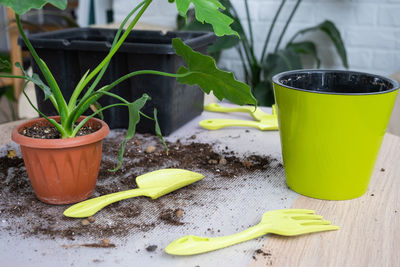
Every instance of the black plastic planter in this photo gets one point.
(70, 53)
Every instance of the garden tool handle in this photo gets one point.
(190, 245)
(91, 206)
(215, 124)
(214, 107)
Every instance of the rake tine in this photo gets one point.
(301, 211)
(315, 222)
(320, 228)
(307, 217)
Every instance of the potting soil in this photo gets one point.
(244, 178)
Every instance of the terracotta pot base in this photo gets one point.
(62, 171)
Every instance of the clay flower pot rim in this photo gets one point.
(59, 143)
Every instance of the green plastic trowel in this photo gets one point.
(153, 184)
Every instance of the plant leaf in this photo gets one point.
(333, 33)
(264, 93)
(96, 106)
(36, 80)
(158, 129)
(307, 48)
(283, 60)
(8, 92)
(208, 11)
(5, 65)
(203, 72)
(22, 6)
(222, 43)
(134, 118)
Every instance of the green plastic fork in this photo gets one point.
(288, 222)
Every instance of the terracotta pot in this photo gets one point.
(62, 171)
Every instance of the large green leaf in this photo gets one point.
(22, 6)
(307, 48)
(264, 93)
(203, 72)
(208, 11)
(224, 42)
(333, 33)
(283, 60)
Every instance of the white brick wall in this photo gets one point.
(370, 28)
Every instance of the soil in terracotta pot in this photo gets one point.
(50, 132)
(22, 214)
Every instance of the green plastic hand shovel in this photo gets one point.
(263, 121)
(153, 184)
(288, 222)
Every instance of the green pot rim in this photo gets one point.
(276, 79)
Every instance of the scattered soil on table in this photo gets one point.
(151, 248)
(266, 254)
(22, 214)
(50, 132)
(171, 217)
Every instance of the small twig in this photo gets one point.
(105, 243)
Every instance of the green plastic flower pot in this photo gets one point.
(331, 126)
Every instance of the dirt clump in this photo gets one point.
(171, 217)
(151, 248)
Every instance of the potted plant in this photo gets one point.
(59, 183)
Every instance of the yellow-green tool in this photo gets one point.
(288, 222)
(263, 121)
(153, 184)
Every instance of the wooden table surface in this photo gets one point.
(370, 225)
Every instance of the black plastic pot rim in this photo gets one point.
(277, 80)
(56, 40)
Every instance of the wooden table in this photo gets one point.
(370, 225)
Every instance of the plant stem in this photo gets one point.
(272, 26)
(80, 86)
(248, 49)
(286, 25)
(61, 104)
(11, 76)
(141, 72)
(86, 102)
(82, 122)
(117, 46)
(249, 22)
(59, 127)
(246, 72)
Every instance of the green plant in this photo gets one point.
(200, 70)
(7, 91)
(258, 71)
